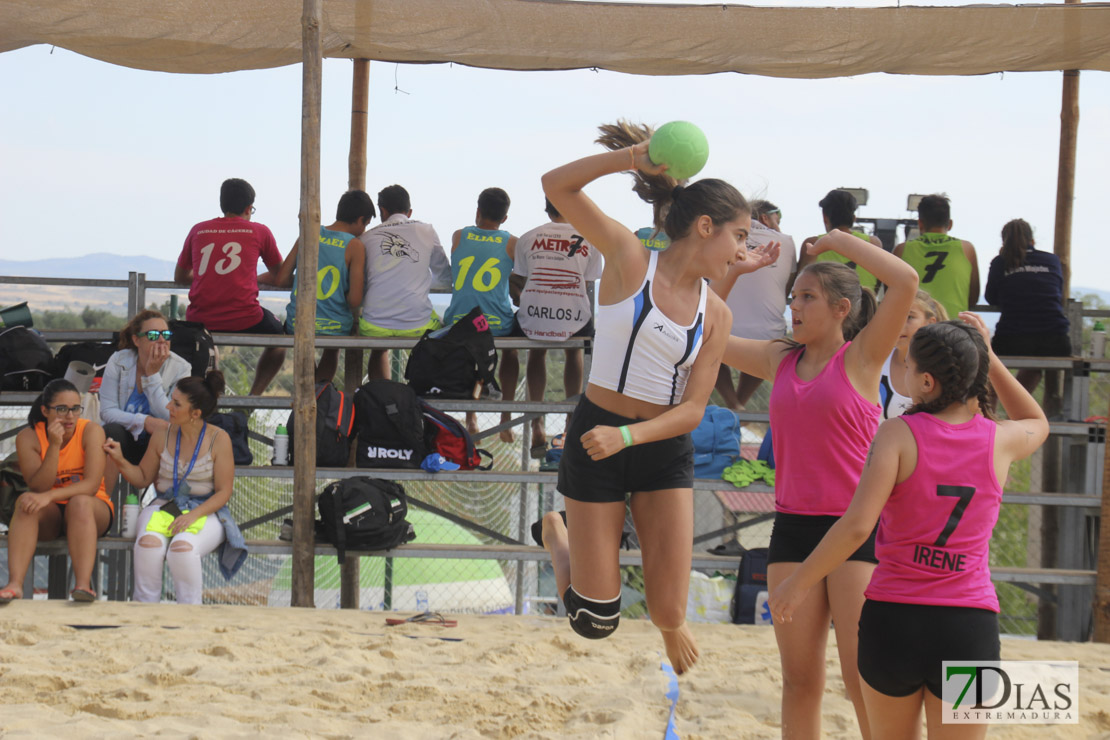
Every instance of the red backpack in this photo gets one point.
(445, 435)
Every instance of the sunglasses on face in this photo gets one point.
(155, 334)
(66, 410)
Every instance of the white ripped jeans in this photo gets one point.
(183, 554)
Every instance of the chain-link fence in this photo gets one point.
(484, 586)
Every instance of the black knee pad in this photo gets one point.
(593, 620)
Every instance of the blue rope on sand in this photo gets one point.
(672, 694)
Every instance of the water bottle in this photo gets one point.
(281, 446)
(1098, 341)
(130, 516)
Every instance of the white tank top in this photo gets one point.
(640, 352)
(894, 403)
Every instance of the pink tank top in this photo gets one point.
(934, 535)
(821, 430)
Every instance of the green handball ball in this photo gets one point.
(681, 146)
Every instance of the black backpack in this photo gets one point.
(363, 513)
(25, 360)
(335, 426)
(96, 354)
(390, 426)
(192, 342)
(447, 363)
(751, 579)
(235, 424)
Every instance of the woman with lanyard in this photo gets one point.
(192, 467)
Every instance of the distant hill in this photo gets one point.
(101, 266)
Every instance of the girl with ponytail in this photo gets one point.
(61, 459)
(824, 411)
(659, 337)
(1027, 285)
(935, 475)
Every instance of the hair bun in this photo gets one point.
(677, 190)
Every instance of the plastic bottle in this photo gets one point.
(281, 446)
(1098, 341)
(130, 516)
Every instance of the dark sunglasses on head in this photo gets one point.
(155, 334)
(63, 410)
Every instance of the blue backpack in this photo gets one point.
(716, 442)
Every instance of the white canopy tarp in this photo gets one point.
(202, 36)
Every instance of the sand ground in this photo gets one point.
(237, 672)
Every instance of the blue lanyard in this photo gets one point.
(177, 455)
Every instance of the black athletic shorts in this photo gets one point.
(587, 330)
(795, 536)
(902, 646)
(132, 449)
(654, 466)
(1032, 345)
(268, 325)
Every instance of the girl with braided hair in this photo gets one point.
(824, 412)
(935, 477)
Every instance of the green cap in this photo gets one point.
(280, 429)
(131, 499)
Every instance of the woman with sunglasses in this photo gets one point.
(61, 457)
(137, 384)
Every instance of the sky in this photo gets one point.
(110, 159)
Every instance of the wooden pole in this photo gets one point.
(360, 107)
(1051, 472)
(304, 348)
(1065, 180)
(352, 358)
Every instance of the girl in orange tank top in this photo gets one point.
(62, 459)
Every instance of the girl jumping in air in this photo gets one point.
(824, 412)
(935, 476)
(660, 335)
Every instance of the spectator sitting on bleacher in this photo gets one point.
(136, 387)
(757, 299)
(481, 268)
(838, 209)
(1027, 286)
(340, 275)
(404, 261)
(137, 384)
(219, 263)
(556, 262)
(191, 466)
(947, 266)
(62, 460)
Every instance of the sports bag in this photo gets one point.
(192, 342)
(716, 442)
(444, 434)
(390, 426)
(335, 426)
(235, 424)
(448, 363)
(96, 354)
(12, 485)
(750, 581)
(363, 513)
(25, 360)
